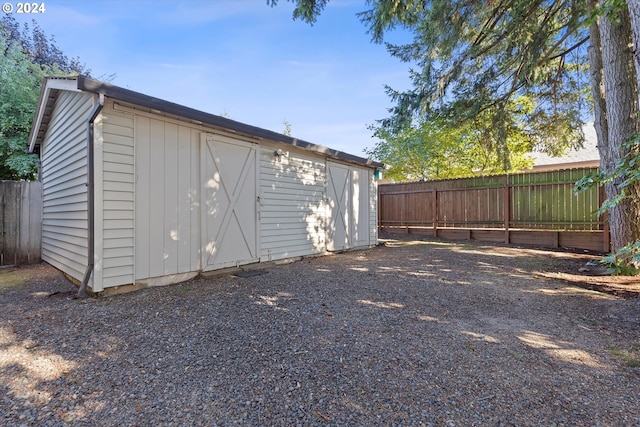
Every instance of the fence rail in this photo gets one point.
(20, 222)
(537, 208)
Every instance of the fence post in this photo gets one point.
(506, 208)
(403, 207)
(434, 202)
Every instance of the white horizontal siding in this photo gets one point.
(77, 229)
(73, 157)
(64, 189)
(292, 209)
(115, 194)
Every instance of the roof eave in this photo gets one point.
(49, 85)
(136, 98)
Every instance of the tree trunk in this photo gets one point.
(597, 91)
(621, 114)
(597, 84)
(634, 191)
(634, 15)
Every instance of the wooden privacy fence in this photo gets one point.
(20, 222)
(536, 208)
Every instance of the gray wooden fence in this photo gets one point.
(20, 222)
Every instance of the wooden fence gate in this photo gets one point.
(20, 222)
(536, 208)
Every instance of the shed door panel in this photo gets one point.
(338, 195)
(229, 215)
(359, 235)
(348, 198)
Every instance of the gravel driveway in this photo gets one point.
(411, 333)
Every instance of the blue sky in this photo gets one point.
(239, 58)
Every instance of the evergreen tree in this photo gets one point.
(473, 58)
(27, 57)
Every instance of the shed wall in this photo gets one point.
(292, 204)
(114, 194)
(64, 189)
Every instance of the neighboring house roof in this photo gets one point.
(587, 156)
(52, 85)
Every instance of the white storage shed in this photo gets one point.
(138, 191)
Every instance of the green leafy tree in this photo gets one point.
(436, 149)
(27, 57)
(20, 82)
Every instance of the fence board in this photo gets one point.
(542, 201)
(20, 222)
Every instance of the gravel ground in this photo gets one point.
(412, 333)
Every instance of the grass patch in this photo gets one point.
(630, 357)
(13, 278)
(185, 290)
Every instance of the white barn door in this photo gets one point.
(348, 207)
(338, 199)
(360, 210)
(229, 202)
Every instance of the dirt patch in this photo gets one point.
(11, 277)
(621, 286)
(41, 276)
(576, 268)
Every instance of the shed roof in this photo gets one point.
(52, 85)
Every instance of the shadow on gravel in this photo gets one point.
(409, 333)
(577, 268)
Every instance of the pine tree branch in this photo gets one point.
(566, 52)
(488, 26)
(512, 26)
